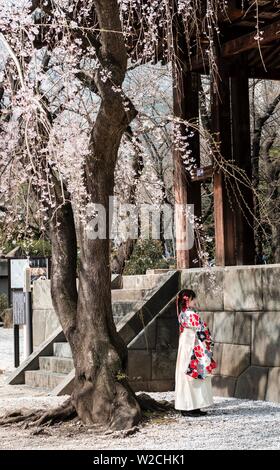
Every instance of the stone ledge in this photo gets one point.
(163, 364)
(223, 327)
(208, 286)
(32, 362)
(271, 287)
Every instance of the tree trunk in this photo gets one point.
(273, 194)
(101, 393)
(256, 147)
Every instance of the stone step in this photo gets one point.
(141, 281)
(160, 271)
(43, 379)
(62, 350)
(128, 295)
(120, 309)
(60, 365)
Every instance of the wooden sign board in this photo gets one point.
(19, 316)
(18, 267)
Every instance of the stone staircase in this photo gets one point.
(143, 293)
(52, 369)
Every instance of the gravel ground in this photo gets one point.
(6, 348)
(230, 424)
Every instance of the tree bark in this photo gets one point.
(101, 393)
(256, 147)
(272, 195)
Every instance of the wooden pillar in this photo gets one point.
(186, 107)
(221, 127)
(241, 147)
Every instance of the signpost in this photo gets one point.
(18, 266)
(18, 319)
(28, 330)
(22, 273)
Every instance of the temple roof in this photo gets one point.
(252, 31)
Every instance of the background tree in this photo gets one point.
(265, 118)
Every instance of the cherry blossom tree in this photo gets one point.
(67, 115)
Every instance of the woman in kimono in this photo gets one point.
(193, 388)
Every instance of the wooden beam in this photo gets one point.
(202, 67)
(225, 240)
(203, 174)
(246, 42)
(185, 93)
(254, 72)
(235, 11)
(185, 107)
(241, 147)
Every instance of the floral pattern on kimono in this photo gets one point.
(201, 362)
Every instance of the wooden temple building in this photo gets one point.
(239, 56)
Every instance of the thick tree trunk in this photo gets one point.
(101, 395)
(101, 392)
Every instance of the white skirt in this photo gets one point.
(190, 394)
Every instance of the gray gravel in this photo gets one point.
(7, 348)
(230, 424)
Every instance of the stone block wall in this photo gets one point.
(152, 354)
(242, 307)
(45, 320)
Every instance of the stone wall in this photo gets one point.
(152, 354)
(242, 307)
(45, 320)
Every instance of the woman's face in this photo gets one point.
(192, 303)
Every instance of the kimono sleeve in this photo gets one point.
(190, 319)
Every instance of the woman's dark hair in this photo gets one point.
(185, 293)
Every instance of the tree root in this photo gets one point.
(67, 411)
(147, 403)
(40, 418)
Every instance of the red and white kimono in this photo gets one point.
(195, 362)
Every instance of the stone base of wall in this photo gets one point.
(152, 354)
(242, 308)
(153, 386)
(255, 383)
(241, 305)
